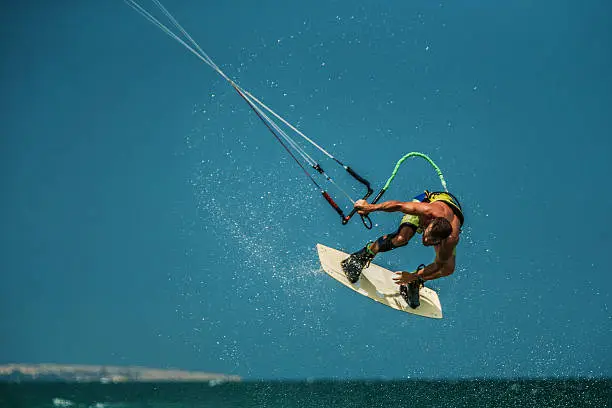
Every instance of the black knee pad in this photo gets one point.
(385, 243)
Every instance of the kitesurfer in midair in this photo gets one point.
(437, 216)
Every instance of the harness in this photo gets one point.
(448, 199)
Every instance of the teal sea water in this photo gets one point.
(293, 394)
(149, 219)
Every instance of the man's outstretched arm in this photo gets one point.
(414, 208)
(432, 271)
(437, 270)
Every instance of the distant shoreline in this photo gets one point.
(105, 374)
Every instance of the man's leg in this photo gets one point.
(389, 242)
(353, 265)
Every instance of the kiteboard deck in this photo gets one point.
(376, 283)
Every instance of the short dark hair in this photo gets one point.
(441, 228)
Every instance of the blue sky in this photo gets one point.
(150, 219)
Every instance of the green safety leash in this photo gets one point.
(399, 163)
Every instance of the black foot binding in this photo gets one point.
(354, 264)
(410, 293)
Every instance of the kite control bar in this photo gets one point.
(365, 219)
(346, 219)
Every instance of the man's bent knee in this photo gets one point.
(390, 242)
(400, 240)
(395, 240)
(404, 234)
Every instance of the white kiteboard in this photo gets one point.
(377, 283)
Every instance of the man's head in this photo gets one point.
(437, 230)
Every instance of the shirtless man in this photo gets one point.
(437, 216)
